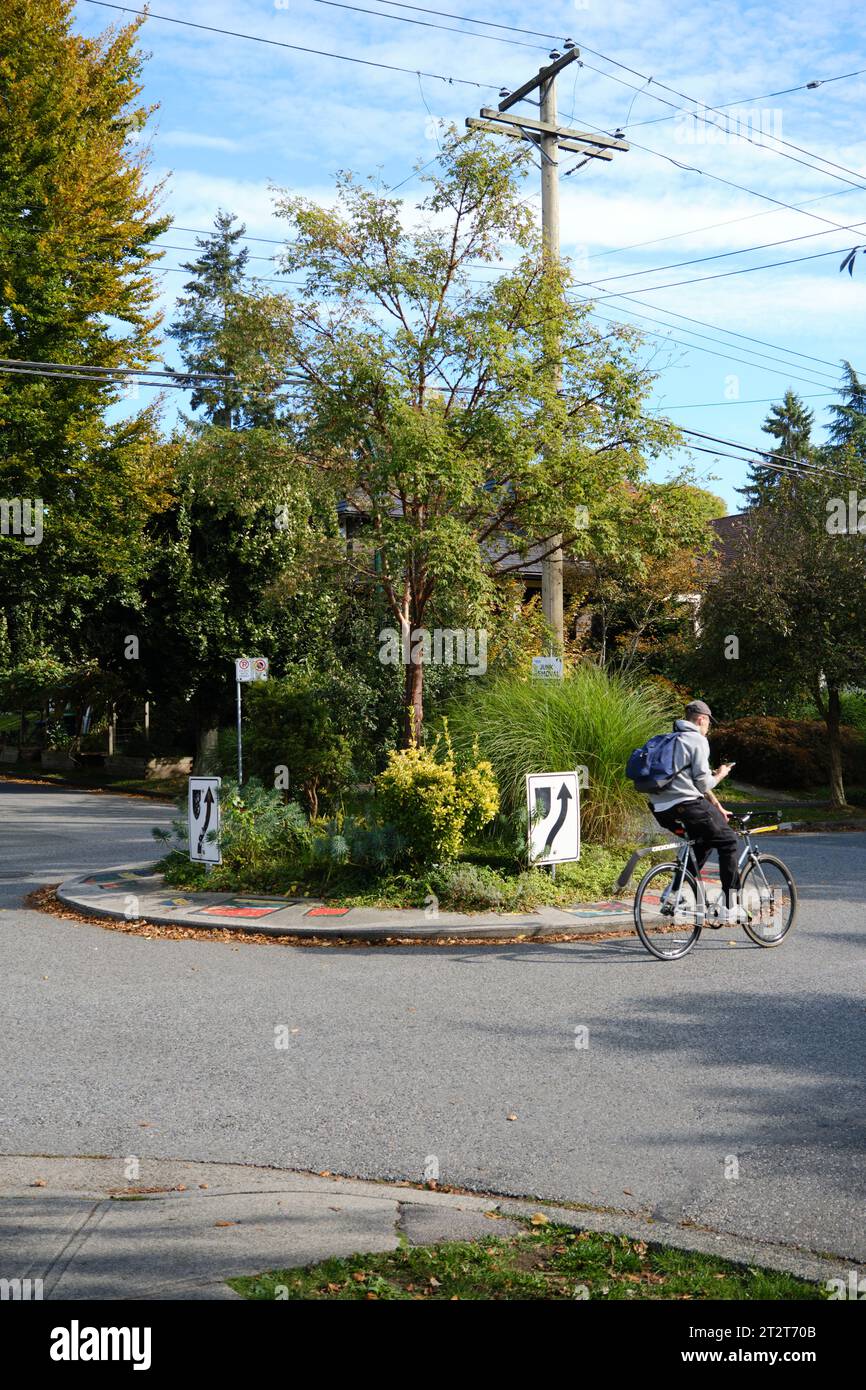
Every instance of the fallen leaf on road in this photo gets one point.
(359, 1276)
(493, 1215)
(39, 1182)
(628, 1192)
(511, 1117)
(203, 1184)
(225, 1223)
(539, 1219)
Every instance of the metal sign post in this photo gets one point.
(247, 668)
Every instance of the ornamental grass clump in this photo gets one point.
(588, 719)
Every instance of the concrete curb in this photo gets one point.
(135, 893)
(79, 1225)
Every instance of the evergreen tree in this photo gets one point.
(847, 433)
(790, 424)
(204, 313)
(220, 554)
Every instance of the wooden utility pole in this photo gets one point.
(549, 138)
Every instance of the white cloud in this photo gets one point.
(194, 140)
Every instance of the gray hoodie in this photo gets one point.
(692, 755)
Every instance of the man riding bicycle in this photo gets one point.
(689, 801)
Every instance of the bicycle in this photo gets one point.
(671, 905)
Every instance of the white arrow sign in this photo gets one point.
(204, 820)
(553, 804)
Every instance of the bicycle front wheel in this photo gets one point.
(668, 920)
(769, 895)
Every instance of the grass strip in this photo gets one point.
(545, 1261)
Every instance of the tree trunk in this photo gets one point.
(413, 702)
(834, 743)
(206, 750)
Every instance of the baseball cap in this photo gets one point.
(699, 707)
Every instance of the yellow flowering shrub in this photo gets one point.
(433, 803)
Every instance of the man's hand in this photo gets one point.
(723, 771)
(714, 801)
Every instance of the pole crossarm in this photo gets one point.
(586, 137)
(543, 75)
(518, 134)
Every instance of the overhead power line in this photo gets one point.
(724, 274)
(800, 465)
(752, 400)
(648, 79)
(767, 96)
(295, 47)
(77, 371)
(723, 255)
(783, 369)
(746, 337)
(426, 24)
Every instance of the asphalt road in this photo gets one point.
(726, 1089)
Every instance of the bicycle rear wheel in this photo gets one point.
(668, 923)
(769, 895)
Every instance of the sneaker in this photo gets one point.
(730, 916)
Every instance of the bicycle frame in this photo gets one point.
(686, 861)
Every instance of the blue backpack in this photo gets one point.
(652, 768)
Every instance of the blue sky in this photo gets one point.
(236, 117)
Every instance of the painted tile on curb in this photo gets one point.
(244, 907)
(327, 912)
(118, 879)
(608, 909)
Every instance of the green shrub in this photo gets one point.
(290, 725)
(854, 709)
(262, 837)
(353, 840)
(432, 802)
(786, 752)
(470, 888)
(589, 719)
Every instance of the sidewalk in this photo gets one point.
(137, 893)
(181, 1229)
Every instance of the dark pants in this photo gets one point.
(706, 825)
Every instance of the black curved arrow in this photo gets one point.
(563, 798)
(208, 801)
